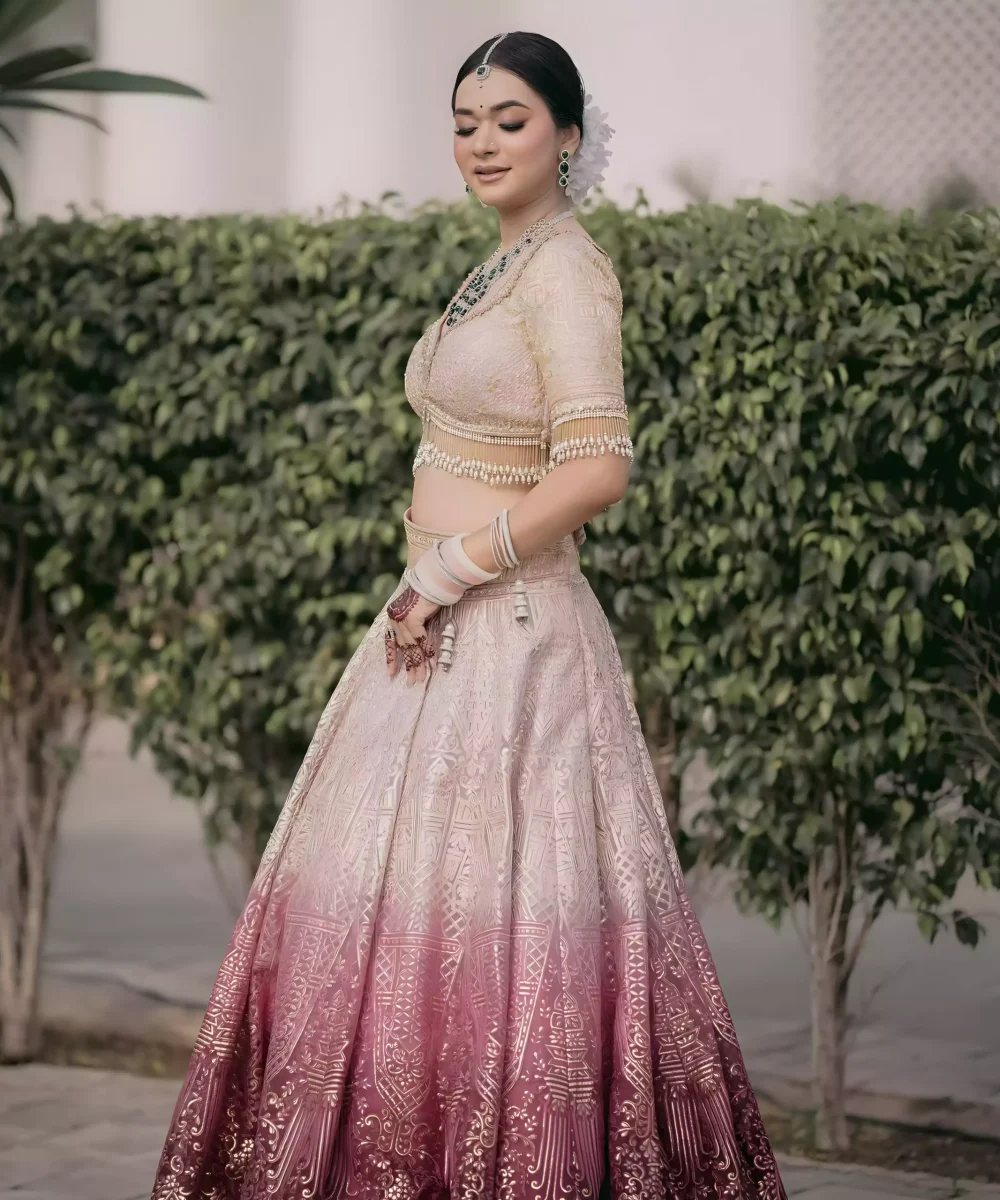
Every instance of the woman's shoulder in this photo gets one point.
(572, 243)
(569, 257)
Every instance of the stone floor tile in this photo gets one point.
(805, 1180)
(112, 1138)
(28, 1163)
(123, 1179)
(15, 1133)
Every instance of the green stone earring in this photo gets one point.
(469, 192)
(564, 169)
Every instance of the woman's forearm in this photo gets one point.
(563, 501)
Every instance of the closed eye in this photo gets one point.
(506, 128)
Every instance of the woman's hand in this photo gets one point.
(407, 640)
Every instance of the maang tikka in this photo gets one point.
(484, 67)
(481, 72)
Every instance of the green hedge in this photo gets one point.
(814, 519)
(205, 437)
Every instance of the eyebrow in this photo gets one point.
(468, 112)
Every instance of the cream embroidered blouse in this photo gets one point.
(532, 374)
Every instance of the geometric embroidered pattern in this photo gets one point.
(468, 967)
(532, 375)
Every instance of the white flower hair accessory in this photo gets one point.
(592, 156)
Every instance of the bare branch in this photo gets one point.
(976, 651)
(12, 622)
(844, 887)
(871, 916)
(791, 905)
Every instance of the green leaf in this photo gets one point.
(928, 924)
(18, 16)
(912, 313)
(890, 637)
(101, 80)
(895, 598)
(7, 191)
(968, 930)
(913, 627)
(25, 103)
(22, 72)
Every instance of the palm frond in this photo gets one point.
(18, 16)
(8, 194)
(101, 80)
(32, 105)
(22, 72)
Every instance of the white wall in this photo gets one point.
(369, 92)
(176, 155)
(313, 100)
(717, 88)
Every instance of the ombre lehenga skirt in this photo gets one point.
(468, 966)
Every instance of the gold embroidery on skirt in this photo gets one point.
(468, 965)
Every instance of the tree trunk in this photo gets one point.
(242, 844)
(38, 755)
(20, 961)
(661, 742)
(33, 781)
(249, 851)
(830, 893)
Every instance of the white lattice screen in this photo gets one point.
(909, 100)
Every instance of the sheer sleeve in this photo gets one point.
(574, 312)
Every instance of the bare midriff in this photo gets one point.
(450, 503)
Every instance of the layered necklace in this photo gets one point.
(484, 277)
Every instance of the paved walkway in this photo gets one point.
(70, 1134)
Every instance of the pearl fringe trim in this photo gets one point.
(497, 474)
(592, 445)
(580, 412)
(434, 420)
(476, 468)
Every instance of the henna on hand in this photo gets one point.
(404, 603)
(413, 655)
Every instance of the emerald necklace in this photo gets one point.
(483, 277)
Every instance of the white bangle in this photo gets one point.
(456, 558)
(501, 543)
(431, 578)
(512, 554)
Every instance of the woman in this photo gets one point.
(468, 966)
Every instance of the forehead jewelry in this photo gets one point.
(484, 67)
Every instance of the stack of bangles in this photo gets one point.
(442, 575)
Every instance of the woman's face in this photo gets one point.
(506, 144)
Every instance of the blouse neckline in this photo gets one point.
(547, 229)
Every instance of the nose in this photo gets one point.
(483, 143)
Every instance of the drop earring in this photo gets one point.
(564, 169)
(469, 192)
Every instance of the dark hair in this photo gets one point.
(543, 65)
